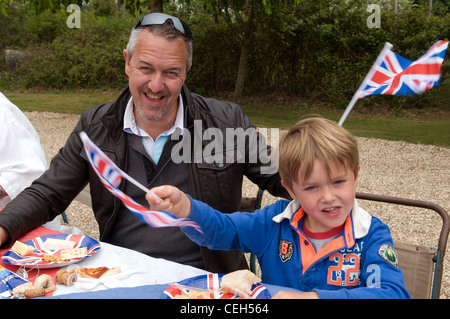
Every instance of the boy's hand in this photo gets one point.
(295, 295)
(173, 201)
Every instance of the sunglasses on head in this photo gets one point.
(161, 18)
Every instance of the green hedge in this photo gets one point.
(319, 50)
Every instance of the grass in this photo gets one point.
(66, 102)
(420, 131)
(281, 112)
(413, 126)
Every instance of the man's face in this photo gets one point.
(156, 72)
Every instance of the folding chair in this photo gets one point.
(64, 217)
(422, 266)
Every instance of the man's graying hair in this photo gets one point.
(166, 30)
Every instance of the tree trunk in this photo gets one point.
(249, 30)
(156, 6)
(120, 10)
(242, 69)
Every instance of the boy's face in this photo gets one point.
(326, 201)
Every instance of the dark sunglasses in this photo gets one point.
(161, 18)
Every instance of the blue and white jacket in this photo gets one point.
(361, 262)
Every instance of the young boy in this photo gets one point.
(321, 242)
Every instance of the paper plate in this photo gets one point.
(36, 259)
(212, 282)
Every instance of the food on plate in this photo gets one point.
(58, 244)
(237, 284)
(242, 280)
(65, 278)
(42, 285)
(20, 290)
(52, 258)
(95, 272)
(72, 253)
(193, 294)
(44, 282)
(22, 249)
(35, 292)
(66, 254)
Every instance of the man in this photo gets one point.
(153, 131)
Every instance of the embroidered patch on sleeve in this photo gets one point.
(286, 250)
(388, 253)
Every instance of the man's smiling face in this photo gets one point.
(156, 70)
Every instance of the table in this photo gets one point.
(154, 276)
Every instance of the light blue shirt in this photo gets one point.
(153, 148)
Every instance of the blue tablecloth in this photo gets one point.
(140, 292)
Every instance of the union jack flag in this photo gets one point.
(395, 75)
(111, 176)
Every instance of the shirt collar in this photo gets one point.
(130, 125)
(360, 219)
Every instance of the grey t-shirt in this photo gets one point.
(129, 231)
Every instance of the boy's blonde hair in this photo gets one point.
(316, 138)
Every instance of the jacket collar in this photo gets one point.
(113, 118)
(359, 221)
(189, 109)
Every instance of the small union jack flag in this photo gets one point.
(111, 176)
(210, 284)
(395, 75)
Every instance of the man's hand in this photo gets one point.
(4, 235)
(173, 201)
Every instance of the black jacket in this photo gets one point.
(218, 184)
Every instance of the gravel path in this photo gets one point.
(388, 168)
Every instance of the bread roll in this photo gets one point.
(242, 280)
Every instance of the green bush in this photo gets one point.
(325, 51)
(317, 50)
(86, 57)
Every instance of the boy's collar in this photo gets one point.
(288, 212)
(361, 220)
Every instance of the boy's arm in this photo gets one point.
(247, 232)
(243, 231)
